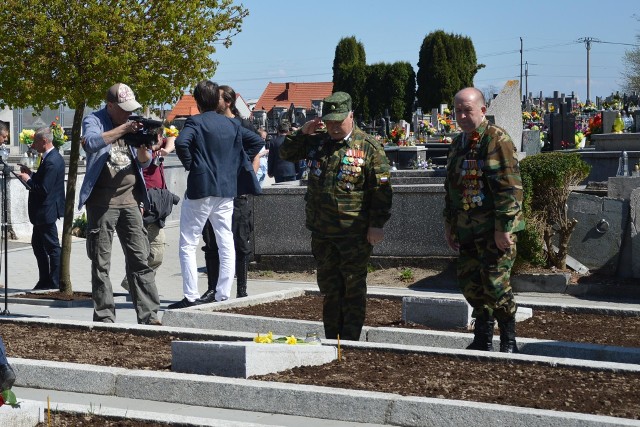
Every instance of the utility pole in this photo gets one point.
(520, 68)
(587, 43)
(526, 79)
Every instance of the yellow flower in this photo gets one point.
(171, 131)
(264, 339)
(292, 340)
(26, 136)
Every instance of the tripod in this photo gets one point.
(6, 170)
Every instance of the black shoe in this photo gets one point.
(207, 298)
(183, 303)
(7, 377)
(202, 270)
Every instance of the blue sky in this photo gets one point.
(295, 41)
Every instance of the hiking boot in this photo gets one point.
(508, 335)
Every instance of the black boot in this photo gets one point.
(482, 334)
(508, 335)
(242, 265)
(213, 270)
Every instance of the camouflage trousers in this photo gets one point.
(484, 270)
(342, 279)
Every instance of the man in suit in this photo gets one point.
(281, 170)
(210, 147)
(46, 205)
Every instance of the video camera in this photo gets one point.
(143, 136)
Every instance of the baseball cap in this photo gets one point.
(122, 95)
(336, 106)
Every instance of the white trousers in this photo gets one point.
(193, 215)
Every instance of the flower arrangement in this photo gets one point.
(59, 137)
(171, 131)
(595, 125)
(26, 136)
(526, 116)
(269, 339)
(446, 122)
(428, 128)
(8, 397)
(397, 133)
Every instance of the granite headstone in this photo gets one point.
(507, 111)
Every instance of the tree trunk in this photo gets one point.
(65, 267)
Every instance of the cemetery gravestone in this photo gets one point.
(507, 111)
(607, 120)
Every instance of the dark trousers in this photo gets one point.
(46, 248)
(342, 279)
(284, 178)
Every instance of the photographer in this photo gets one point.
(161, 200)
(114, 193)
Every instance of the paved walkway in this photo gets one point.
(22, 276)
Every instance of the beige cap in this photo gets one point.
(122, 95)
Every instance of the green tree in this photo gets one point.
(62, 52)
(350, 72)
(446, 64)
(391, 89)
(631, 73)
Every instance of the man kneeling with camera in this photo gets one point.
(114, 194)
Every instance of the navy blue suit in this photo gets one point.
(281, 170)
(210, 147)
(46, 205)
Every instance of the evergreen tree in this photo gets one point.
(350, 73)
(67, 52)
(447, 63)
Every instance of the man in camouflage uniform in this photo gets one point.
(482, 213)
(348, 202)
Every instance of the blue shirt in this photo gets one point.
(93, 126)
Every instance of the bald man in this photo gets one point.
(483, 211)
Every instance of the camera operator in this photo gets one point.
(161, 200)
(114, 193)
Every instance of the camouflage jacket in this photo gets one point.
(483, 179)
(349, 187)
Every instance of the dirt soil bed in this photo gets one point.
(575, 327)
(563, 389)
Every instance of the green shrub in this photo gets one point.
(547, 179)
(79, 226)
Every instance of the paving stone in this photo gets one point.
(244, 359)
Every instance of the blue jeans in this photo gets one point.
(102, 222)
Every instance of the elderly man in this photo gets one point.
(348, 202)
(46, 205)
(482, 212)
(114, 193)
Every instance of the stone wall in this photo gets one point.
(415, 228)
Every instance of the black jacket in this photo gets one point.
(275, 165)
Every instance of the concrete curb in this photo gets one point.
(214, 317)
(129, 415)
(310, 401)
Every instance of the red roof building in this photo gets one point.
(186, 106)
(298, 94)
